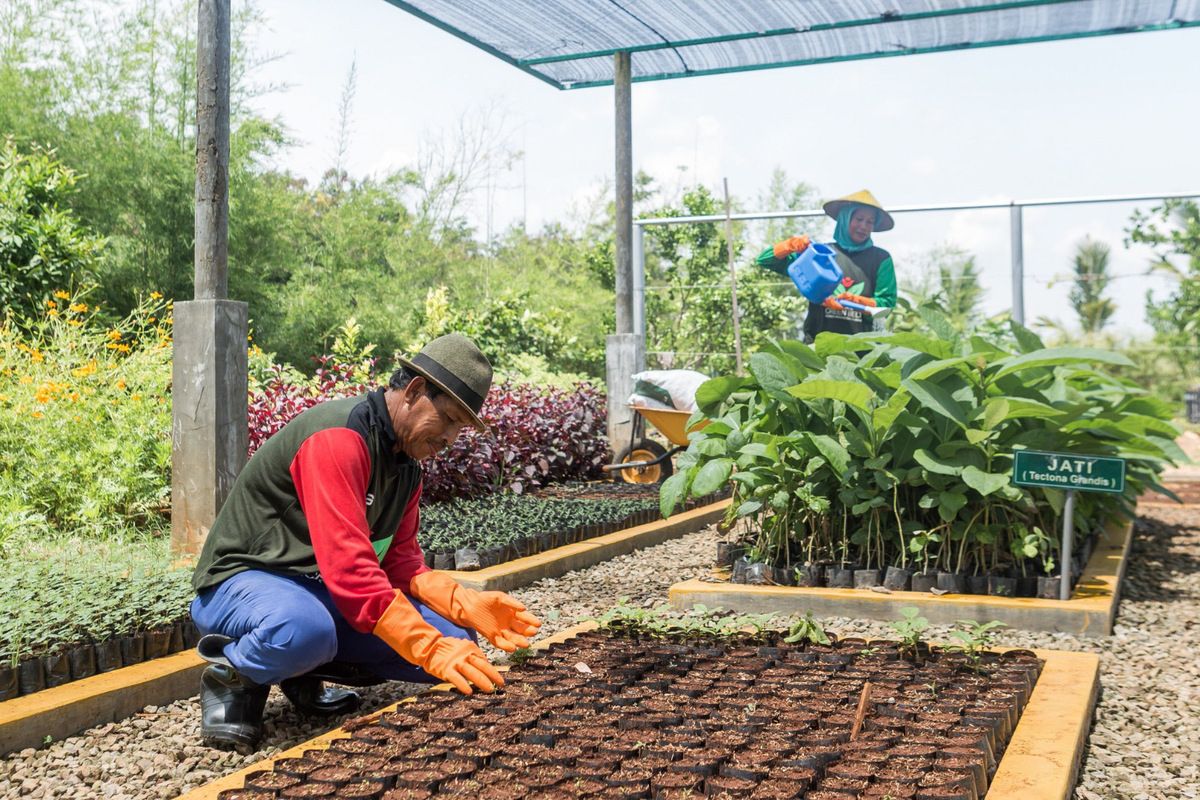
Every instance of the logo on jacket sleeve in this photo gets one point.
(370, 498)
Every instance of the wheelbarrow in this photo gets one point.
(645, 460)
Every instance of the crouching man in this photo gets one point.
(312, 570)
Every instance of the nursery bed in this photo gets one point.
(579, 555)
(1090, 611)
(606, 716)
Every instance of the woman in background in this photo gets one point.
(869, 277)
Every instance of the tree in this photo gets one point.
(1091, 281)
(688, 297)
(948, 277)
(783, 194)
(1172, 230)
(43, 246)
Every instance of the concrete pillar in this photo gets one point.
(623, 357)
(209, 435)
(209, 370)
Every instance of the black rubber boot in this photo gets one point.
(231, 705)
(313, 698)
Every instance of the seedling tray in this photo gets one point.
(603, 716)
(1090, 611)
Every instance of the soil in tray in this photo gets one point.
(624, 729)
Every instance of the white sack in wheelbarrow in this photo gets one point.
(667, 388)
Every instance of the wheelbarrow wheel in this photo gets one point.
(645, 450)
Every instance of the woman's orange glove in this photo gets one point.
(832, 304)
(858, 298)
(502, 619)
(457, 661)
(793, 244)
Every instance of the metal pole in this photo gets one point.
(622, 86)
(1068, 538)
(212, 151)
(737, 326)
(639, 281)
(1018, 264)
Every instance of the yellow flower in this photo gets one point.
(114, 335)
(36, 356)
(74, 397)
(135, 397)
(74, 323)
(152, 320)
(156, 295)
(3, 398)
(37, 415)
(121, 384)
(123, 348)
(26, 379)
(79, 308)
(85, 370)
(61, 295)
(52, 313)
(51, 304)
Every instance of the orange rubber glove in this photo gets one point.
(858, 298)
(457, 661)
(501, 619)
(830, 303)
(793, 244)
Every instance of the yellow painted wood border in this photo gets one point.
(236, 780)
(1090, 611)
(568, 558)
(1041, 762)
(1044, 753)
(108, 697)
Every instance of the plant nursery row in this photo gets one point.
(471, 534)
(887, 458)
(635, 712)
(69, 621)
(73, 619)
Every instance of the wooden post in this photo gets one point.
(208, 373)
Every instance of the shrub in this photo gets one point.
(85, 420)
(42, 245)
(536, 436)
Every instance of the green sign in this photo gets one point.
(1068, 471)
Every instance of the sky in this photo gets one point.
(1107, 116)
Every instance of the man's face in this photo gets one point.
(427, 426)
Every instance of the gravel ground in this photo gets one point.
(1145, 744)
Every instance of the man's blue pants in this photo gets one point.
(286, 625)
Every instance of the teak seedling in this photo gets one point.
(909, 628)
(972, 639)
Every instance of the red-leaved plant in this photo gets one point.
(537, 435)
(280, 400)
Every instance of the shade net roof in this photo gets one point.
(570, 43)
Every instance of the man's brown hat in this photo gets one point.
(455, 364)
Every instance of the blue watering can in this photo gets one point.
(817, 274)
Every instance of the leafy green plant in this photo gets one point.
(806, 629)
(882, 447)
(909, 628)
(972, 639)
